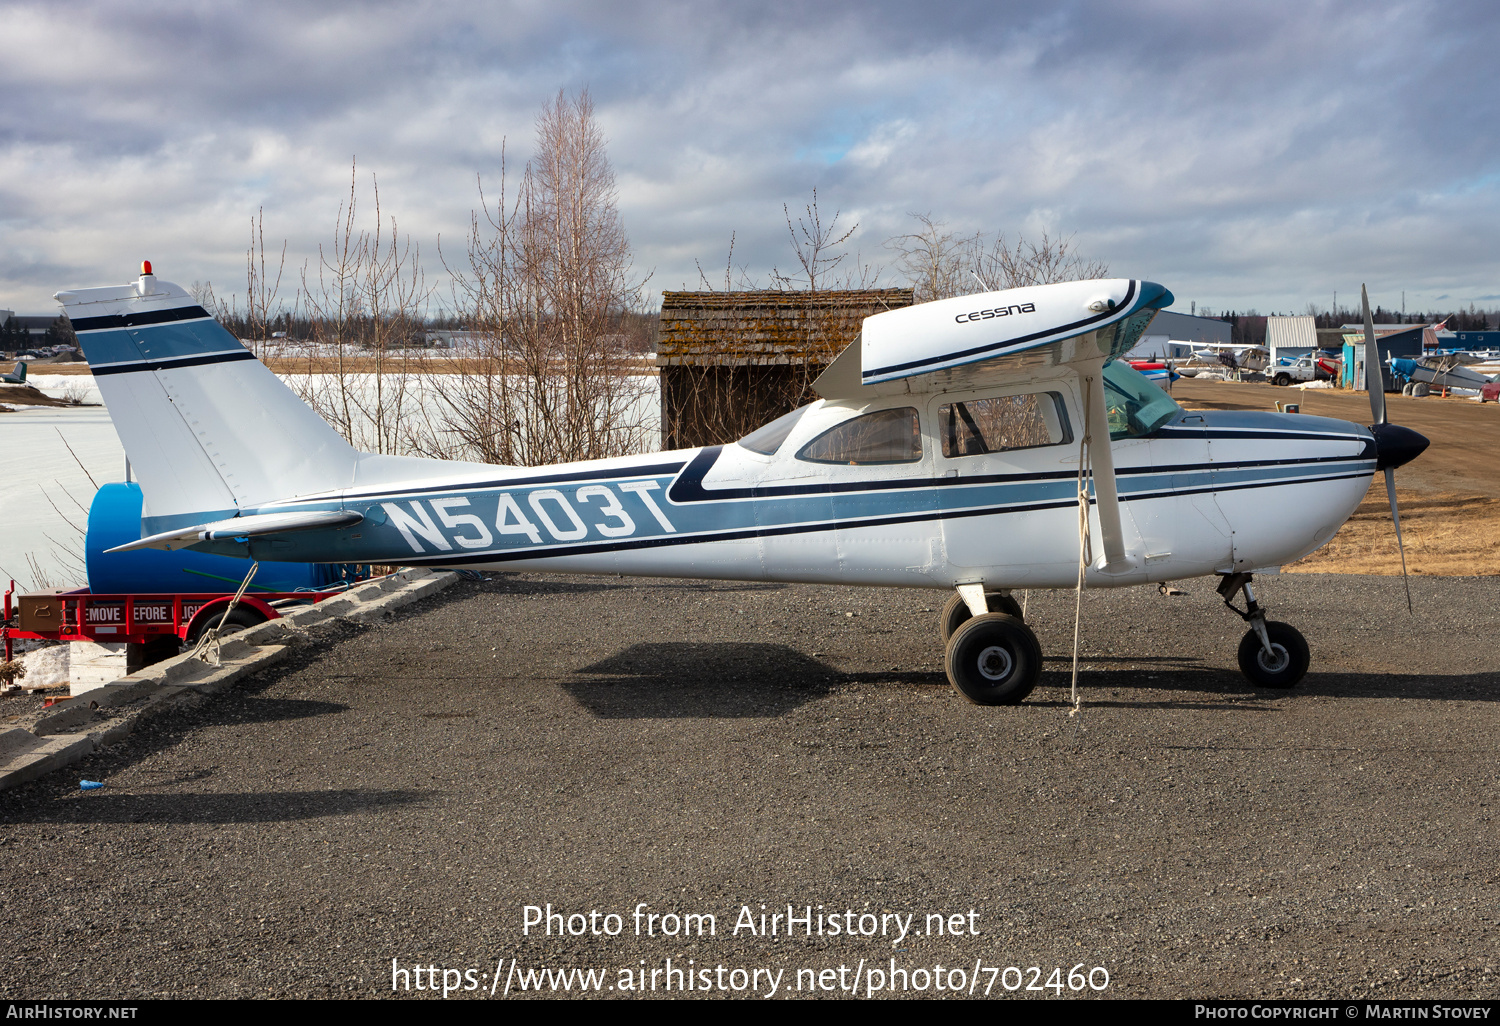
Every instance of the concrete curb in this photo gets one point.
(100, 717)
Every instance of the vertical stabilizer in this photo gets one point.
(207, 427)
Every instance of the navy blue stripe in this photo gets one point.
(1249, 484)
(1120, 313)
(508, 556)
(130, 320)
(185, 361)
(689, 487)
(1230, 433)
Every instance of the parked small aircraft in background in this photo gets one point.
(18, 377)
(1235, 356)
(949, 451)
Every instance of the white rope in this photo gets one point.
(210, 637)
(1085, 547)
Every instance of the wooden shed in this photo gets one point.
(731, 361)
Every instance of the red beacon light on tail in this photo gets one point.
(147, 284)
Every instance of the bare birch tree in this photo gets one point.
(815, 245)
(546, 293)
(365, 301)
(261, 293)
(940, 264)
(937, 262)
(1035, 263)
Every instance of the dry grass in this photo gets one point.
(70, 368)
(28, 395)
(1446, 535)
(1450, 495)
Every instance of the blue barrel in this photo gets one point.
(115, 518)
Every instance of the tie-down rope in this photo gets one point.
(210, 637)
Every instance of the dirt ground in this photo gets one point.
(1449, 496)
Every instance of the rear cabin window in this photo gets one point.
(885, 436)
(978, 426)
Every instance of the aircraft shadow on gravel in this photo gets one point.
(700, 679)
(761, 679)
(270, 710)
(513, 585)
(1231, 689)
(509, 584)
(229, 807)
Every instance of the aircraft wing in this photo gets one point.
(244, 527)
(950, 342)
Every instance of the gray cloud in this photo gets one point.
(1261, 156)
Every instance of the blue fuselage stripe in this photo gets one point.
(847, 519)
(616, 509)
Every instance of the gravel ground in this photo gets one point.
(405, 791)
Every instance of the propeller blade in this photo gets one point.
(1374, 379)
(1390, 489)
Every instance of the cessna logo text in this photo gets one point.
(999, 311)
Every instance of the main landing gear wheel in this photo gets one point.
(956, 611)
(993, 659)
(1284, 665)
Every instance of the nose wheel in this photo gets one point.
(1272, 654)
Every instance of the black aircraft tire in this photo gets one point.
(239, 619)
(993, 659)
(956, 611)
(1004, 604)
(1287, 669)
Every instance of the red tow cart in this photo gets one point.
(80, 615)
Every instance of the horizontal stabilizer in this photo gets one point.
(244, 527)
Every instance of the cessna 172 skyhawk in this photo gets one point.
(946, 453)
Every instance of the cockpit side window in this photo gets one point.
(885, 436)
(978, 426)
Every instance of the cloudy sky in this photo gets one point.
(1254, 155)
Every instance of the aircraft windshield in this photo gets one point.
(768, 438)
(1136, 406)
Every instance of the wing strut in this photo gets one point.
(1107, 496)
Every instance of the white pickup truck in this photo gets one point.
(1304, 368)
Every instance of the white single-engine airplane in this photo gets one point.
(946, 453)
